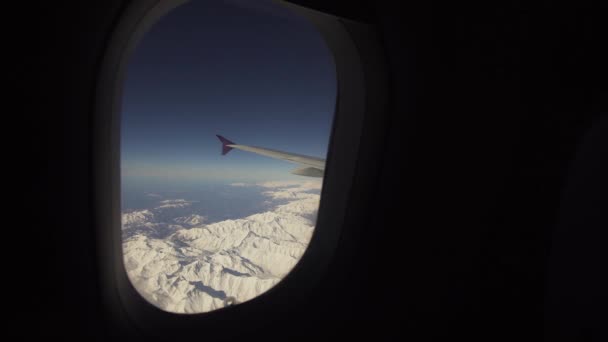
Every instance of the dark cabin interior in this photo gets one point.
(486, 218)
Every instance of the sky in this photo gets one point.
(258, 76)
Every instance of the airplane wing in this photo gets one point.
(309, 166)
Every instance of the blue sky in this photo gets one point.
(263, 78)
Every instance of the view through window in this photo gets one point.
(212, 213)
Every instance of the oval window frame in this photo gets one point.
(355, 138)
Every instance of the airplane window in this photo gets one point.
(225, 123)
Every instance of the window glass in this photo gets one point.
(225, 123)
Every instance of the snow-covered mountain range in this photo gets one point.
(183, 264)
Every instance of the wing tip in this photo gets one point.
(225, 142)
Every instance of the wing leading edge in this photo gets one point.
(310, 166)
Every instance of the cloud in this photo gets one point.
(241, 184)
(293, 185)
(298, 185)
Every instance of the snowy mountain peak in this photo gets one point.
(184, 264)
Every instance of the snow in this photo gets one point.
(159, 221)
(190, 220)
(177, 203)
(136, 218)
(198, 265)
